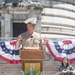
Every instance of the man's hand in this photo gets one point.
(17, 45)
(19, 38)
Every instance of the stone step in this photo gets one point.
(49, 68)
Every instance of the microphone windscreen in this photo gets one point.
(31, 36)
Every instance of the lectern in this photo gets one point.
(32, 60)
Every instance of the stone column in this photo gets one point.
(38, 26)
(38, 13)
(6, 25)
(2, 25)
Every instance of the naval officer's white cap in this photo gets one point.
(31, 21)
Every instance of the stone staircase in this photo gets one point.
(9, 69)
(49, 68)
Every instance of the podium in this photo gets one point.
(32, 59)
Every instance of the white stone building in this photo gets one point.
(58, 19)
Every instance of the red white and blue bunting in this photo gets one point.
(8, 52)
(57, 49)
(61, 49)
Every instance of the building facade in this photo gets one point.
(56, 20)
(12, 18)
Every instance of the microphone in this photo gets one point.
(31, 36)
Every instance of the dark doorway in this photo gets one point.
(19, 28)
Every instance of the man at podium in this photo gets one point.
(30, 38)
